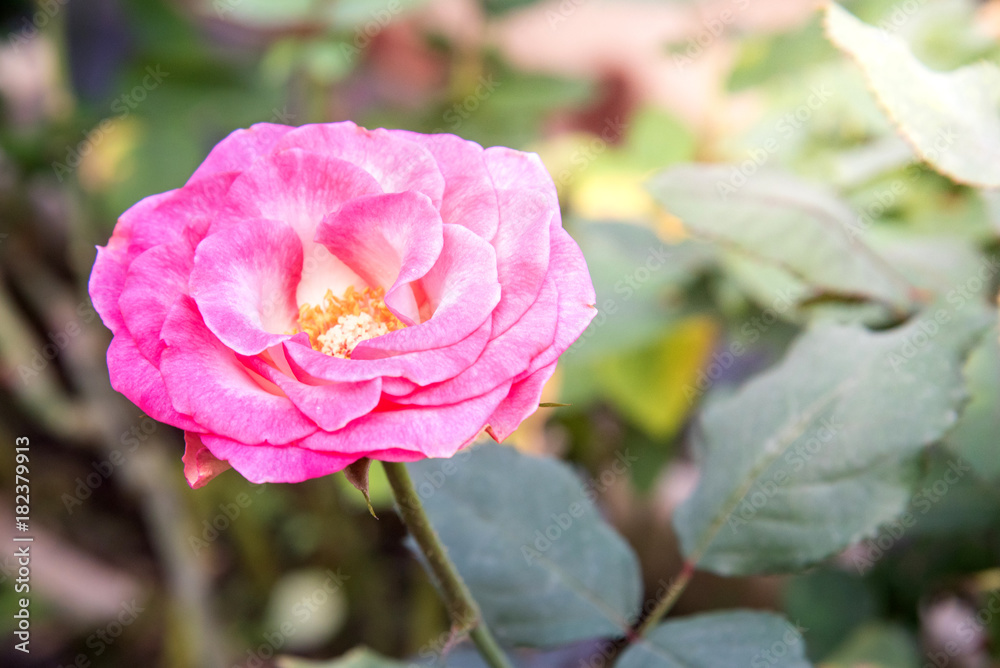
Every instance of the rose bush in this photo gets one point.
(316, 295)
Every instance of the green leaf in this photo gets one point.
(783, 221)
(950, 118)
(541, 562)
(877, 645)
(814, 454)
(720, 640)
(359, 657)
(976, 437)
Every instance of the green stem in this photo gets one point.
(462, 608)
(664, 605)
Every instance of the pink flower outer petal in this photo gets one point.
(238, 151)
(503, 358)
(520, 403)
(330, 405)
(155, 280)
(522, 246)
(576, 298)
(463, 290)
(134, 376)
(389, 241)
(200, 465)
(397, 164)
(276, 463)
(244, 281)
(438, 431)
(422, 367)
(207, 381)
(520, 171)
(470, 197)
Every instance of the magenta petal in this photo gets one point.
(520, 171)
(389, 241)
(438, 431)
(520, 403)
(576, 296)
(154, 282)
(297, 187)
(244, 282)
(133, 375)
(397, 164)
(470, 197)
(462, 289)
(522, 245)
(238, 151)
(105, 287)
(183, 213)
(421, 367)
(504, 357)
(276, 463)
(200, 465)
(207, 381)
(330, 405)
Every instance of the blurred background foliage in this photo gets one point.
(107, 101)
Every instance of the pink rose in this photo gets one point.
(316, 295)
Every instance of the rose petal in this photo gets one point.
(388, 240)
(576, 297)
(421, 367)
(434, 431)
(276, 463)
(244, 281)
(154, 282)
(470, 197)
(462, 290)
(133, 375)
(330, 405)
(521, 402)
(503, 358)
(397, 164)
(200, 465)
(205, 380)
(238, 151)
(522, 246)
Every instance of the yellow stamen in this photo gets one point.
(341, 323)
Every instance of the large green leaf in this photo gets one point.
(784, 221)
(720, 640)
(814, 454)
(952, 119)
(544, 567)
(976, 437)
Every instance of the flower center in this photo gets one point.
(341, 323)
